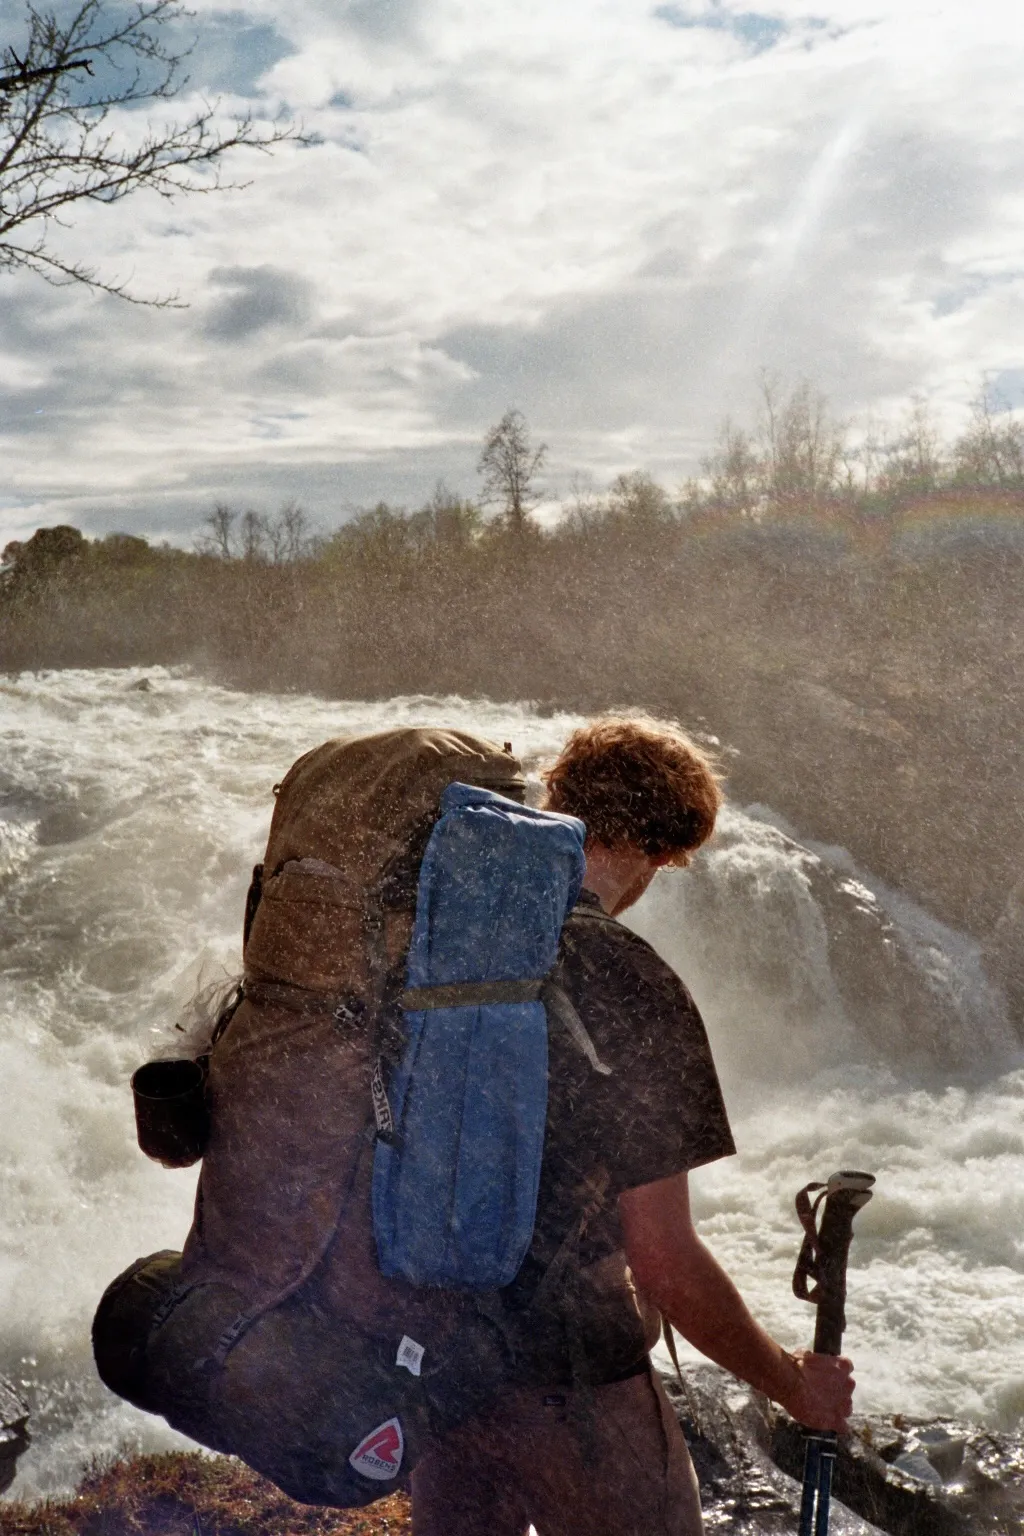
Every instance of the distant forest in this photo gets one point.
(789, 537)
(849, 624)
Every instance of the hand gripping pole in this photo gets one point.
(820, 1277)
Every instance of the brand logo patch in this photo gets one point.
(380, 1455)
(410, 1354)
(381, 1107)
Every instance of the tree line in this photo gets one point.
(798, 456)
(795, 467)
(626, 590)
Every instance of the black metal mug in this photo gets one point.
(171, 1117)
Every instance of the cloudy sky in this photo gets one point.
(610, 214)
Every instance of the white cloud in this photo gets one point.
(597, 213)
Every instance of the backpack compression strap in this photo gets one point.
(469, 994)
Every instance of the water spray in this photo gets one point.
(823, 1258)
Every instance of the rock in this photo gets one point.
(907, 1477)
(141, 685)
(62, 824)
(917, 1466)
(729, 1430)
(943, 1450)
(14, 1436)
(864, 970)
(917, 1478)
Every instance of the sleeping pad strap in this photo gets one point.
(482, 994)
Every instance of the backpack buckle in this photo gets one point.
(348, 1012)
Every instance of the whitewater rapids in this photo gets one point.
(850, 1028)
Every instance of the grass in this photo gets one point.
(190, 1494)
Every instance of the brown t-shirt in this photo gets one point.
(658, 1113)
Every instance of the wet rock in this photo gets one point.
(63, 824)
(917, 1478)
(729, 1430)
(907, 1477)
(141, 685)
(889, 974)
(14, 1436)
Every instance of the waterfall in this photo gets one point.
(850, 1027)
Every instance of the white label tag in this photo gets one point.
(380, 1455)
(410, 1354)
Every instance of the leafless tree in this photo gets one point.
(219, 540)
(913, 460)
(446, 522)
(254, 541)
(281, 540)
(795, 458)
(62, 141)
(584, 509)
(294, 536)
(735, 471)
(274, 539)
(803, 445)
(508, 464)
(991, 451)
(637, 498)
(860, 462)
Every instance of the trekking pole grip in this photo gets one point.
(823, 1257)
(826, 1250)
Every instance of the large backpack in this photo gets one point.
(376, 1111)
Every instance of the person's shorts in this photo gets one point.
(539, 1457)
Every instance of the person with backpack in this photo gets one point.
(449, 1116)
(586, 1441)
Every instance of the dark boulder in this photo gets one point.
(729, 1430)
(917, 1477)
(910, 1477)
(14, 1436)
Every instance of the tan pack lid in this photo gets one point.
(362, 806)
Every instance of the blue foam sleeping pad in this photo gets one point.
(455, 1190)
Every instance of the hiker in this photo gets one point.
(599, 1450)
(445, 1126)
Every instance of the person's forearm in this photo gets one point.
(672, 1267)
(707, 1309)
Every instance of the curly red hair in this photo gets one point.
(636, 780)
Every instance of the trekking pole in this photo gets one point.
(823, 1257)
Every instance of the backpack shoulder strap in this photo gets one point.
(592, 913)
(566, 1255)
(560, 1007)
(559, 1285)
(556, 999)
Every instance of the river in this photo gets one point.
(850, 1027)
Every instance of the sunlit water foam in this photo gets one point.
(850, 1028)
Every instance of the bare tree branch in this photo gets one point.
(29, 76)
(62, 141)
